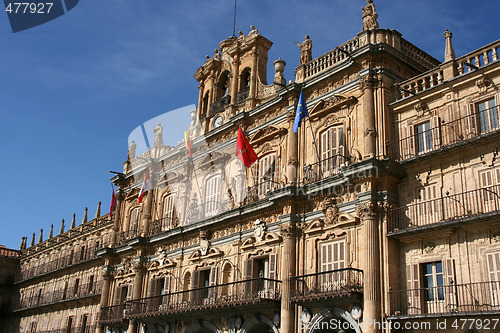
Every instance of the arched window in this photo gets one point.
(226, 278)
(244, 85)
(186, 285)
(223, 85)
(212, 195)
(204, 106)
(332, 149)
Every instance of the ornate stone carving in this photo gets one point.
(293, 161)
(287, 230)
(204, 242)
(366, 210)
(483, 84)
(370, 132)
(429, 247)
(421, 108)
(367, 81)
(330, 211)
(259, 230)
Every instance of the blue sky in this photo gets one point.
(73, 89)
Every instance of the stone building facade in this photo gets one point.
(380, 212)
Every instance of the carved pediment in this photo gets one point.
(331, 103)
(267, 134)
(260, 252)
(268, 238)
(314, 226)
(213, 158)
(211, 252)
(332, 234)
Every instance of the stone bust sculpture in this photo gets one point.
(131, 150)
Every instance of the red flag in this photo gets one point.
(113, 203)
(146, 186)
(189, 145)
(244, 150)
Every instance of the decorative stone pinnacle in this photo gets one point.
(40, 239)
(61, 231)
(51, 232)
(98, 211)
(84, 220)
(449, 52)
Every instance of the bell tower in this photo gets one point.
(229, 80)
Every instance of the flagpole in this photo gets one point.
(315, 146)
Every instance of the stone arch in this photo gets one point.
(258, 323)
(202, 326)
(326, 314)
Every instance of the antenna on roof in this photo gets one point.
(234, 22)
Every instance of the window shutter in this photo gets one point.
(213, 276)
(450, 283)
(411, 143)
(249, 274)
(152, 287)
(129, 292)
(195, 282)
(436, 132)
(414, 303)
(272, 267)
(117, 296)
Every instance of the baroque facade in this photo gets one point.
(380, 213)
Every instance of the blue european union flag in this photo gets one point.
(301, 113)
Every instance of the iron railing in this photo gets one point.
(445, 210)
(59, 263)
(444, 134)
(332, 283)
(206, 210)
(60, 295)
(325, 168)
(476, 297)
(113, 313)
(86, 329)
(126, 235)
(242, 95)
(163, 224)
(224, 295)
(219, 105)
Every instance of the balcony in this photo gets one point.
(465, 299)
(345, 282)
(112, 314)
(124, 236)
(242, 293)
(61, 295)
(324, 169)
(163, 224)
(206, 210)
(443, 135)
(86, 329)
(463, 207)
(59, 263)
(242, 95)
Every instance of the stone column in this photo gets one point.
(367, 212)
(116, 218)
(235, 78)
(139, 270)
(293, 152)
(370, 133)
(201, 88)
(253, 78)
(287, 231)
(107, 277)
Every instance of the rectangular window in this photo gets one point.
(134, 222)
(487, 116)
(168, 212)
(332, 261)
(428, 212)
(433, 281)
(266, 174)
(212, 192)
(494, 277)
(424, 137)
(332, 150)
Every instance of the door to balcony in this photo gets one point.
(434, 288)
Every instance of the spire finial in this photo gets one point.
(98, 211)
(40, 239)
(73, 222)
(22, 244)
(33, 240)
(51, 232)
(85, 215)
(61, 231)
(449, 52)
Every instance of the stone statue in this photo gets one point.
(158, 135)
(305, 50)
(369, 16)
(216, 54)
(131, 150)
(254, 30)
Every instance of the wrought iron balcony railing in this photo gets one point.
(324, 169)
(60, 295)
(59, 263)
(242, 95)
(163, 224)
(444, 134)
(335, 283)
(219, 105)
(126, 235)
(251, 291)
(83, 329)
(480, 297)
(445, 210)
(110, 314)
